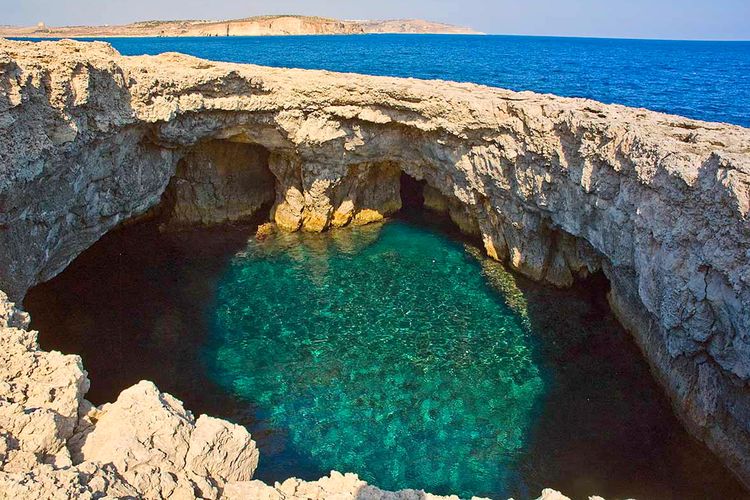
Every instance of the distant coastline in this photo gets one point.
(251, 26)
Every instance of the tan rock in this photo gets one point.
(221, 451)
(264, 231)
(158, 446)
(143, 427)
(40, 394)
(336, 486)
(550, 494)
(86, 482)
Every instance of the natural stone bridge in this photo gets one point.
(558, 188)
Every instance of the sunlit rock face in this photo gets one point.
(556, 187)
(364, 193)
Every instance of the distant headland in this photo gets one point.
(250, 26)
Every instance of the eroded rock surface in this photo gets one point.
(335, 486)
(55, 444)
(216, 182)
(557, 188)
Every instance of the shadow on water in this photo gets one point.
(136, 306)
(605, 427)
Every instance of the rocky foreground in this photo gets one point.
(251, 26)
(556, 188)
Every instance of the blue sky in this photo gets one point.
(675, 19)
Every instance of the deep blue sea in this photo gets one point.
(702, 80)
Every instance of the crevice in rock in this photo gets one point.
(412, 191)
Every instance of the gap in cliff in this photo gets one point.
(137, 305)
(412, 192)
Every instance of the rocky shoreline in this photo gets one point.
(557, 188)
(251, 26)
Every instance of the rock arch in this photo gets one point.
(557, 187)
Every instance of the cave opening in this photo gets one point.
(216, 182)
(149, 303)
(412, 192)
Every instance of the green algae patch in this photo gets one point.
(381, 350)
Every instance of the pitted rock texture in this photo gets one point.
(336, 486)
(40, 396)
(55, 444)
(557, 188)
(146, 431)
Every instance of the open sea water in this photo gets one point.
(702, 80)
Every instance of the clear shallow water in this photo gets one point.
(354, 350)
(702, 80)
(384, 352)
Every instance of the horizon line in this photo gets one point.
(477, 32)
(626, 37)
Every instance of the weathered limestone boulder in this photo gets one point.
(161, 449)
(557, 188)
(40, 395)
(339, 486)
(85, 482)
(336, 486)
(550, 494)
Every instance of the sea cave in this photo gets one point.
(368, 348)
(441, 287)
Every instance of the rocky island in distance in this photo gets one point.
(250, 26)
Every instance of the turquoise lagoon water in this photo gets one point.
(385, 351)
(395, 351)
(703, 80)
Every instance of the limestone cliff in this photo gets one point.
(557, 188)
(251, 26)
